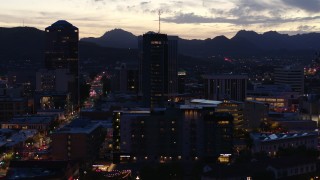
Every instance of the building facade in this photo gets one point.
(235, 108)
(61, 52)
(126, 79)
(158, 69)
(79, 141)
(227, 86)
(290, 75)
(218, 136)
(271, 143)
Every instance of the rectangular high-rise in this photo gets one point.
(61, 52)
(218, 136)
(225, 86)
(290, 75)
(158, 68)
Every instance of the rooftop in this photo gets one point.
(34, 119)
(79, 126)
(61, 24)
(225, 76)
(264, 137)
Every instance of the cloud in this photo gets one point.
(191, 18)
(306, 28)
(307, 5)
(145, 3)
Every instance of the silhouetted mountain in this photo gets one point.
(26, 43)
(89, 50)
(116, 38)
(273, 40)
(21, 43)
(248, 43)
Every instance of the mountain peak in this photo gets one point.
(117, 38)
(220, 38)
(118, 33)
(273, 33)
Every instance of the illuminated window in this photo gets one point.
(223, 122)
(260, 99)
(224, 158)
(155, 42)
(271, 100)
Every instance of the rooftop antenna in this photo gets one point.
(23, 23)
(159, 13)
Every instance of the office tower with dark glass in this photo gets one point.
(292, 75)
(218, 136)
(158, 69)
(61, 52)
(225, 87)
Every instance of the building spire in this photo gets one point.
(159, 13)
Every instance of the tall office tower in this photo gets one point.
(126, 78)
(172, 66)
(290, 75)
(218, 136)
(61, 52)
(181, 81)
(226, 86)
(158, 69)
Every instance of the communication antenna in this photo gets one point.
(159, 13)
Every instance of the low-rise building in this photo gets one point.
(279, 97)
(271, 143)
(236, 109)
(42, 170)
(80, 141)
(42, 123)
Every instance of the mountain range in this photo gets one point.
(243, 43)
(118, 45)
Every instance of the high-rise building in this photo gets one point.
(144, 135)
(172, 66)
(218, 136)
(225, 86)
(158, 68)
(126, 78)
(61, 52)
(290, 75)
(181, 81)
(255, 113)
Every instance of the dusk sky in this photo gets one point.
(191, 19)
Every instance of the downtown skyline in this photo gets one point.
(188, 19)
